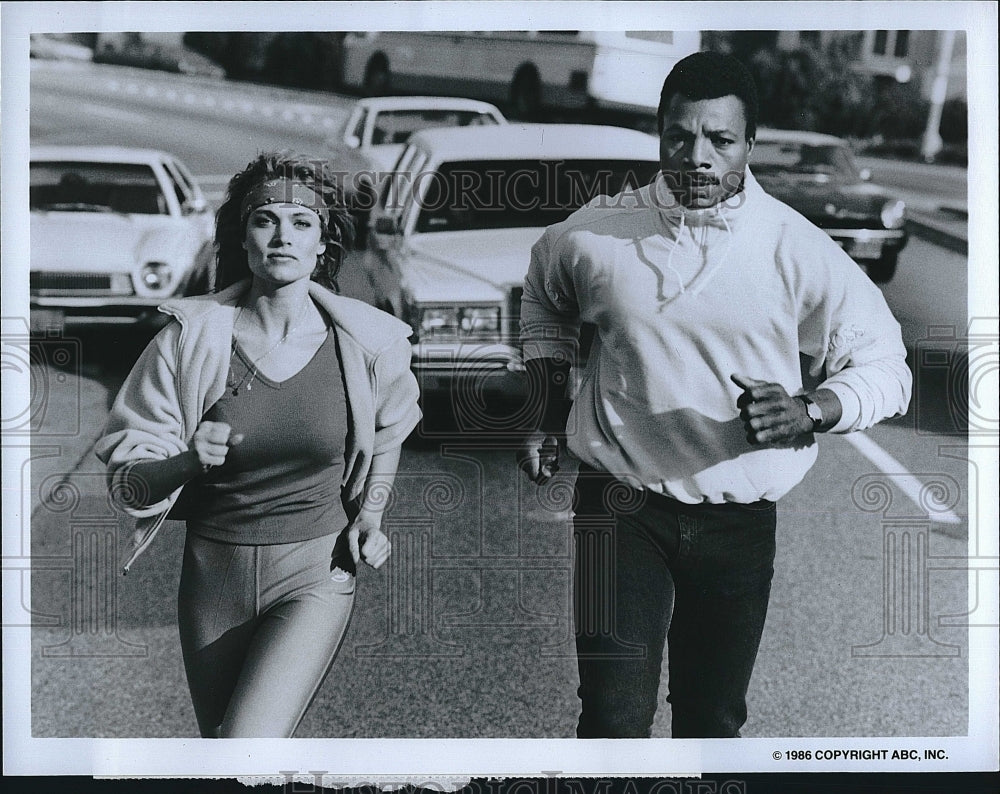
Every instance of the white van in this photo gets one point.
(525, 70)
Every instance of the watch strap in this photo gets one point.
(813, 411)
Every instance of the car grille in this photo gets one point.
(42, 282)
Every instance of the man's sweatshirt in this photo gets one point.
(683, 299)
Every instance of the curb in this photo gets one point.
(938, 234)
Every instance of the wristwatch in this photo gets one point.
(813, 411)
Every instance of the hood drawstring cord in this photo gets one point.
(670, 256)
(719, 261)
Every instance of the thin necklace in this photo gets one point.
(248, 379)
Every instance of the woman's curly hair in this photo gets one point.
(317, 173)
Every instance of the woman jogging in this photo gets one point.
(269, 415)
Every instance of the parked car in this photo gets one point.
(373, 136)
(378, 127)
(58, 47)
(450, 239)
(816, 174)
(133, 49)
(114, 231)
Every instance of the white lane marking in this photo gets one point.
(307, 113)
(908, 483)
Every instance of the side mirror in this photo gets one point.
(386, 224)
(353, 141)
(195, 206)
(865, 174)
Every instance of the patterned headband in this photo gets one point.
(282, 190)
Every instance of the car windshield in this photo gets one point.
(807, 161)
(396, 126)
(130, 188)
(504, 194)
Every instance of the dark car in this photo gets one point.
(131, 49)
(816, 174)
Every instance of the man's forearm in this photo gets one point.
(829, 405)
(871, 392)
(551, 378)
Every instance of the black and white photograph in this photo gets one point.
(413, 400)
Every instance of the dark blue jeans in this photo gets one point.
(649, 570)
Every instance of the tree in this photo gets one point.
(813, 88)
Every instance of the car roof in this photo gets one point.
(432, 102)
(98, 154)
(798, 136)
(534, 141)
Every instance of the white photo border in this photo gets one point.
(395, 759)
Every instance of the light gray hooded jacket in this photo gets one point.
(183, 371)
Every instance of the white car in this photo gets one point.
(378, 127)
(58, 47)
(114, 231)
(451, 237)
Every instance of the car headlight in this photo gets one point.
(481, 320)
(893, 214)
(154, 276)
(439, 322)
(452, 322)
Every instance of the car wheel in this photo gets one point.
(377, 76)
(526, 94)
(882, 270)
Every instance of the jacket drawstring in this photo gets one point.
(703, 246)
(670, 256)
(721, 260)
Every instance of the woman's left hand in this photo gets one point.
(367, 541)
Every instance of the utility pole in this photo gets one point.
(932, 142)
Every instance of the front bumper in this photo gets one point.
(469, 369)
(869, 244)
(52, 313)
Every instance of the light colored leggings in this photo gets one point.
(259, 628)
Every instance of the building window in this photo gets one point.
(881, 39)
(902, 43)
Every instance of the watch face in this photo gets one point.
(815, 413)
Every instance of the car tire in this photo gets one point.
(526, 94)
(377, 77)
(882, 270)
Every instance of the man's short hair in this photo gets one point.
(710, 75)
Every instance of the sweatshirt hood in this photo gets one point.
(728, 214)
(705, 234)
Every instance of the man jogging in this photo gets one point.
(690, 419)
